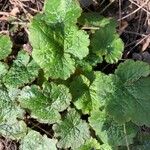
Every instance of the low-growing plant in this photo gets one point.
(57, 85)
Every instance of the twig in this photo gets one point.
(139, 6)
(134, 11)
(90, 28)
(107, 6)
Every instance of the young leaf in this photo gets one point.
(82, 98)
(55, 47)
(94, 19)
(61, 11)
(10, 113)
(45, 104)
(126, 99)
(105, 42)
(111, 132)
(90, 144)
(107, 147)
(73, 132)
(5, 46)
(35, 141)
(23, 71)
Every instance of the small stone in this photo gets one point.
(146, 56)
(136, 56)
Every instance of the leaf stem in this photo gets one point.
(125, 132)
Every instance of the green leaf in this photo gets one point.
(107, 147)
(130, 71)
(111, 132)
(10, 114)
(45, 104)
(35, 141)
(3, 69)
(94, 19)
(62, 11)
(23, 71)
(5, 46)
(126, 100)
(72, 131)
(100, 94)
(13, 129)
(105, 42)
(80, 89)
(90, 144)
(57, 45)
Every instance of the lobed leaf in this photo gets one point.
(34, 140)
(57, 42)
(45, 104)
(72, 131)
(62, 11)
(126, 100)
(90, 144)
(111, 132)
(82, 98)
(105, 42)
(22, 71)
(11, 125)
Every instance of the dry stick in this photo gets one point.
(125, 132)
(139, 24)
(140, 41)
(107, 6)
(135, 33)
(120, 15)
(102, 3)
(90, 28)
(140, 7)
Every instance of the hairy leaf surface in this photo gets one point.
(82, 98)
(45, 104)
(56, 43)
(106, 42)
(111, 132)
(90, 144)
(10, 112)
(22, 71)
(5, 46)
(35, 141)
(126, 99)
(73, 131)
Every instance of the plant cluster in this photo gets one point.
(57, 85)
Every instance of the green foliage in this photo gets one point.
(83, 99)
(10, 112)
(45, 104)
(72, 131)
(5, 46)
(123, 98)
(57, 42)
(105, 42)
(21, 72)
(111, 132)
(57, 86)
(90, 144)
(34, 140)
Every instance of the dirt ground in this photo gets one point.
(133, 18)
